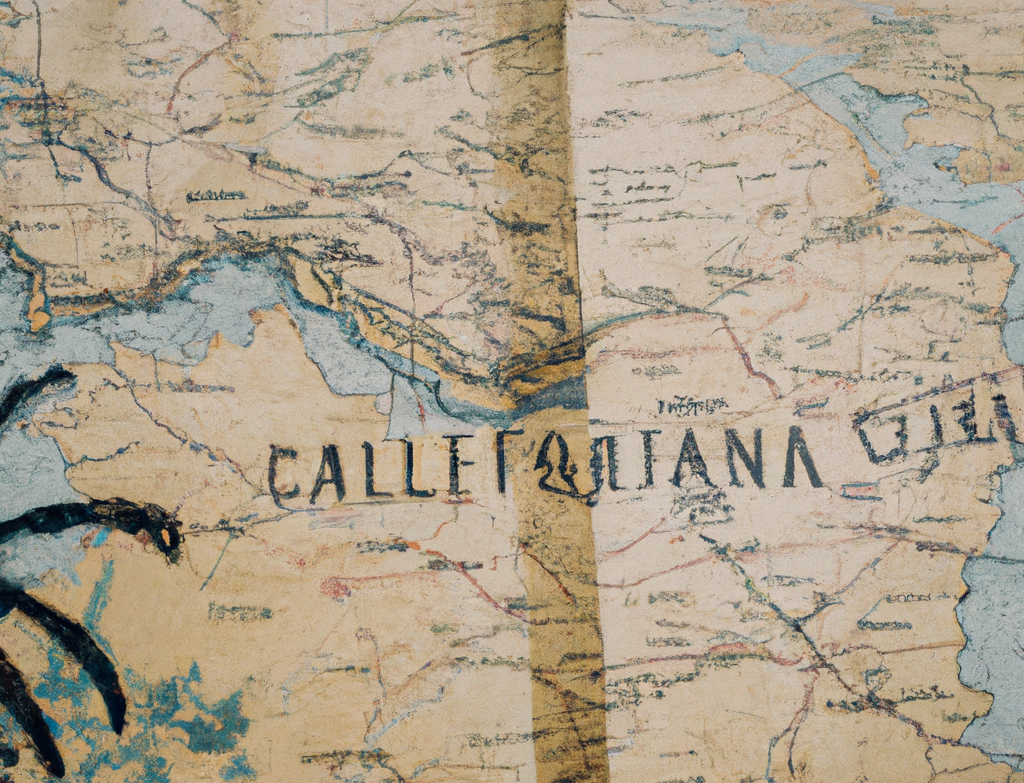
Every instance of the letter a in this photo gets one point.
(689, 452)
(330, 461)
(798, 444)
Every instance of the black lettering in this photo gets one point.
(410, 490)
(936, 427)
(454, 463)
(1003, 418)
(797, 444)
(689, 452)
(329, 461)
(968, 421)
(648, 457)
(597, 463)
(892, 454)
(755, 466)
(501, 456)
(566, 467)
(276, 453)
(371, 491)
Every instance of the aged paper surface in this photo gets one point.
(511, 391)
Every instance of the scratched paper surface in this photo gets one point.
(511, 391)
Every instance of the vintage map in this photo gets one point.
(511, 391)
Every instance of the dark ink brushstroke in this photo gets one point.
(14, 693)
(116, 513)
(77, 641)
(23, 390)
(17, 698)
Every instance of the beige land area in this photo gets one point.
(734, 555)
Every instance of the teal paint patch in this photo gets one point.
(58, 685)
(100, 597)
(238, 769)
(219, 729)
(159, 713)
(209, 727)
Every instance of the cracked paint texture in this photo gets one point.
(543, 391)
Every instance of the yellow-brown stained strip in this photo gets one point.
(566, 650)
(529, 128)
